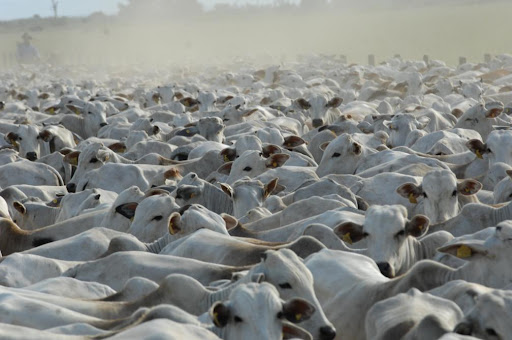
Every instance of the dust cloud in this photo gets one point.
(157, 33)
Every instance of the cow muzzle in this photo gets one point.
(386, 269)
(32, 156)
(317, 122)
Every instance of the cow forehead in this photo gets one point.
(156, 203)
(341, 142)
(440, 180)
(131, 194)
(249, 156)
(28, 130)
(253, 297)
(247, 183)
(403, 118)
(505, 230)
(496, 303)
(197, 213)
(499, 138)
(285, 264)
(318, 101)
(385, 219)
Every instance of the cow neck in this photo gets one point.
(157, 246)
(425, 275)
(501, 214)
(216, 200)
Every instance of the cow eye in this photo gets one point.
(158, 218)
(237, 319)
(400, 233)
(94, 160)
(489, 151)
(454, 193)
(247, 168)
(336, 154)
(365, 234)
(285, 285)
(425, 195)
(19, 138)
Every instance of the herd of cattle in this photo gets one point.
(310, 200)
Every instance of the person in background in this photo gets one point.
(26, 53)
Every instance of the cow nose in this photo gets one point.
(103, 124)
(463, 328)
(31, 156)
(385, 269)
(327, 333)
(71, 187)
(318, 122)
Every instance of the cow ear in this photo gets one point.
(297, 310)
(303, 103)
(127, 209)
(291, 331)
(422, 123)
(219, 313)
(231, 221)
(228, 154)
(335, 102)
(188, 102)
(11, 137)
(258, 277)
(72, 157)
(270, 149)
(77, 110)
(465, 250)
(227, 189)
(293, 142)
(469, 187)
(410, 191)
(350, 232)
(19, 207)
(270, 187)
(324, 146)
(225, 168)
(389, 124)
(173, 174)
(361, 203)
(417, 226)
(276, 160)
(477, 147)
(494, 112)
(187, 192)
(118, 147)
(45, 135)
(188, 131)
(249, 112)
(357, 148)
(174, 223)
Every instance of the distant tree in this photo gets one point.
(55, 6)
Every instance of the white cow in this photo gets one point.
(391, 238)
(411, 315)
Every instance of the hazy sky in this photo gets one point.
(13, 9)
